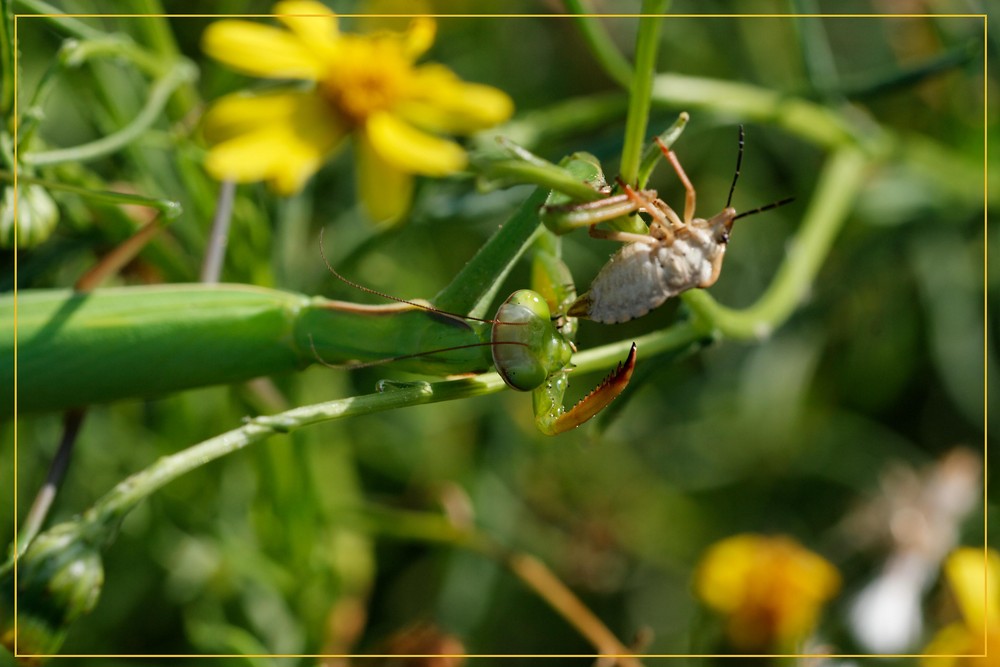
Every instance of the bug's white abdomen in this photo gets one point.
(641, 276)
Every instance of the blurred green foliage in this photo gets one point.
(295, 546)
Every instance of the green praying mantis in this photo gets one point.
(174, 337)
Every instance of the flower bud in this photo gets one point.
(37, 216)
(59, 578)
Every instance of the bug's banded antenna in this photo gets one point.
(766, 207)
(736, 176)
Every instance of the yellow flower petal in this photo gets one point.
(441, 102)
(261, 50)
(284, 146)
(724, 573)
(246, 158)
(770, 589)
(312, 22)
(385, 190)
(954, 639)
(408, 149)
(419, 37)
(239, 113)
(969, 572)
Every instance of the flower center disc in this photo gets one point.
(368, 77)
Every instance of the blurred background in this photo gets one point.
(844, 422)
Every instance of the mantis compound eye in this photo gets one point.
(526, 345)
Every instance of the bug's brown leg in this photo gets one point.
(689, 196)
(647, 201)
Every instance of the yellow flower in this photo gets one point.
(770, 590)
(978, 598)
(366, 86)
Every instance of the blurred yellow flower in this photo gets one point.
(769, 589)
(978, 598)
(366, 86)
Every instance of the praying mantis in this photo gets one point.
(174, 337)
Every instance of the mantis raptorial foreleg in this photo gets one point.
(550, 339)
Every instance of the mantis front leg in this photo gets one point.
(550, 415)
(533, 348)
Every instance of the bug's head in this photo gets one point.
(721, 224)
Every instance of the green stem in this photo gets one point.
(674, 337)
(126, 495)
(110, 509)
(36, 516)
(813, 122)
(427, 527)
(169, 208)
(180, 73)
(74, 53)
(52, 15)
(827, 128)
(640, 89)
(7, 59)
(601, 45)
(839, 183)
(547, 176)
(155, 31)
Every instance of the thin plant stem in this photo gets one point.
(548, 176)
(119, 501)
(73, 54)
(169, 208)
(829, 129)
(52, 15)
(180, 73)
(602, 47)
(532, 571)
(640, 89)
(72, 421)
(122, 254)
(214, 254)
(546, 584)
(878, 82)
(155, 30)
(815, 123)
(7, 59)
